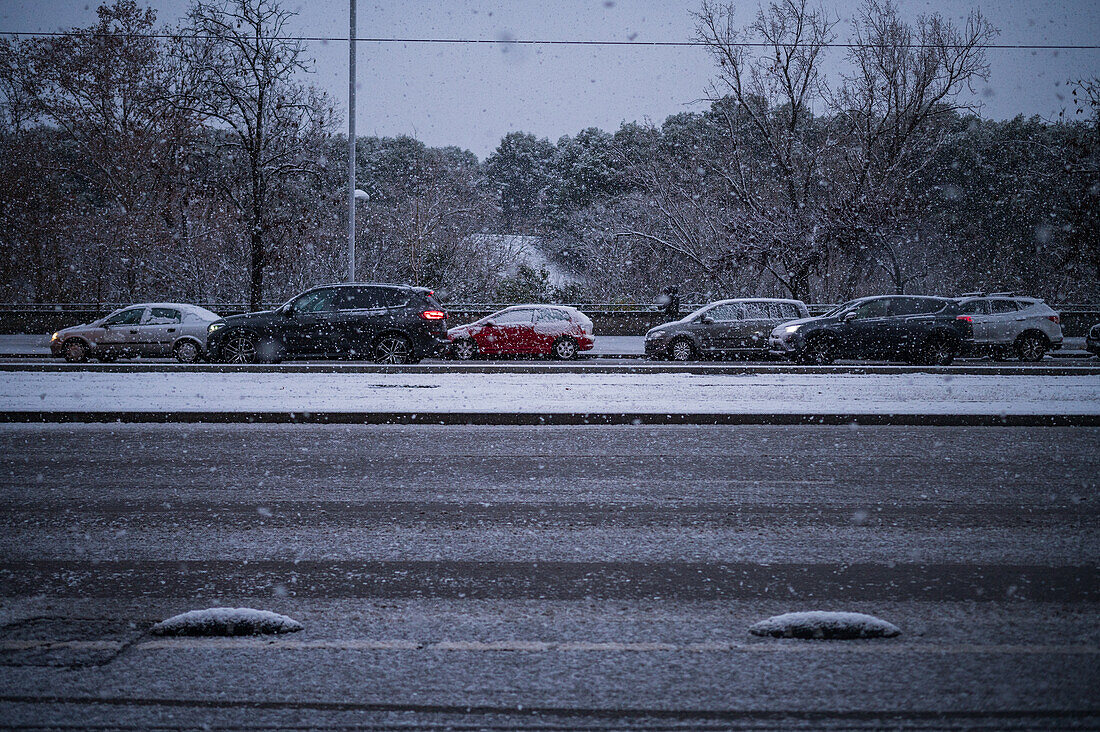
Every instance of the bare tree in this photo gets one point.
(244, 69)
(894, 111)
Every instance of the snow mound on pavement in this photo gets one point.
(222, 621)
(825, 626)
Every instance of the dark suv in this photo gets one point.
(386, 323)
(923, 330)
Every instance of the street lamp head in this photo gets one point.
(361, 195)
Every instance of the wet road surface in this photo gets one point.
(597, 577)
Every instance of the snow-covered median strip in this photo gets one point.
(542, 393)
(223, 621)
(822, 625)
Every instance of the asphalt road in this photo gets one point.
(597, 577)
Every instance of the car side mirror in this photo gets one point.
(706, 319)
(288, 312)
(489, 324)
(106, 326)
(849, 316)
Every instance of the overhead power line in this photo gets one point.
(541, 41)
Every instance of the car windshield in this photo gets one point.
(841, 308)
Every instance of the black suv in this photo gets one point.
(386, 323)
(923, 330)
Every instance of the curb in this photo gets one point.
(712, 369)
(556, 419)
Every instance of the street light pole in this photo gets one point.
(351, 143)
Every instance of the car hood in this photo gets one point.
(260, 316)
(800, 321)
(682, 321)
(82, 328)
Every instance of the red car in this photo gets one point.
(548, 330)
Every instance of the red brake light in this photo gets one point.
(965, 318)
(433, 315)
(1054, 319)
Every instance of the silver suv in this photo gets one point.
(1006, 324)
(147, 329)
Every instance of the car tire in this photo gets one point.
(239, 348)
(187, 352)
(564, 349)
(937, 350)
(75, 351)
(681, 349)
(820, 350)
(393, 349)
(1031, 347)
(464, 349)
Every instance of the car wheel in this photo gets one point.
(186, 352)
(464, 349)
(393, 349)
(819, 351)
(239, 347)
(564, 349)
(681, 349)
(75, 351)
(937, 350)
(1031, 347)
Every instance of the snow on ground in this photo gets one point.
(542, 393)
(825, 625)
(227, 621)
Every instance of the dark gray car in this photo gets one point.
(728, 327)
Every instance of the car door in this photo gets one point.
(980, 319)
(121, 331)
(549, 324)
(310, 326)
(864, 333)
(361, 314)
(1006, 322)
(913, 318)
(158, 330)
(759, 320)
(499, 333)
(717, 328)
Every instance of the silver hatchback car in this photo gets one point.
(1006, 324)
(153, 330)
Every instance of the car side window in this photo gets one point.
(551, 315)
(879, 308)
(359, 298)
(725, 313)
(317, 301)
(164, 316)
(391, 297)
(126, 317)
(1003, 306)
(512, 317)
(756, 310)
(974, 307)
(915, 306)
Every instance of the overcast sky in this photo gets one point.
(471, 95)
